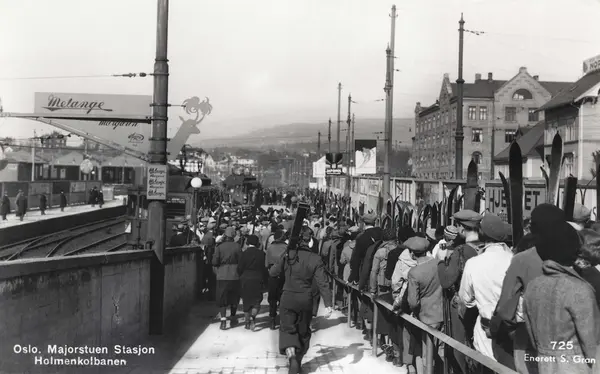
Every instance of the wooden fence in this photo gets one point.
(366, 190)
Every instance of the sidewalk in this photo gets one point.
(35, 215)
(202, 348)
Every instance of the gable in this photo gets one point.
(523, 81)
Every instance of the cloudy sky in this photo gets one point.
(269, 62)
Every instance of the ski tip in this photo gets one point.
(557, 140)
(472, 167)
(501, 175)
(515, 150)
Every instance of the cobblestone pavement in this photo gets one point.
(202, 348)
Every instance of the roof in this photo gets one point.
(571, 92)
(531, 138)
(22, 157)
(556, 87)
(481, 89)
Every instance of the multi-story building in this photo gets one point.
(492, 112)
(574, 114)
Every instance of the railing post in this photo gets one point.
(349, 301)
(374, 337)
(429, 352)
(333, 295)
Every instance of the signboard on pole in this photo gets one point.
(496, 199)
(156, 188)
(591, 64)
(319, 168)
(333, 164)
(365, 156)
(131, 135)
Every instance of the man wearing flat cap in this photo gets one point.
(581, 217)
(369, 236)
(226, 259)
(481, 285)
(451, 264)
(424, 292)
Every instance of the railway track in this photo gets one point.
(62, 242)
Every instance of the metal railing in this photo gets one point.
(428, 353)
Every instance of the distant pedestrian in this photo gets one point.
(21, 202)
(43, 203)
(226, 259)
(5, 206)
(63, 201)
(100, 198)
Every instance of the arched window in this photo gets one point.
(476, 156)
(522, 94)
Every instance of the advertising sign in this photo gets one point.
(131, 135)
(333, 164)
(591, 64)
(319, 168)
(496, 199)
(157, 182)
(365, 156)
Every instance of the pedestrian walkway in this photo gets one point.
(35, 215)
(200, 347)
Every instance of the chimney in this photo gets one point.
(536, 77)
(446, 76)
(490, 77)
(477, 77)
(522, 69)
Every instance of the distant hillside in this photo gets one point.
(307, 133)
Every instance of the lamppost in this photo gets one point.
(196, 184)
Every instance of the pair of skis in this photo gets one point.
(555, 163)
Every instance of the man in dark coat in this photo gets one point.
(43, 203)
(5, 206)
(100, 198)
(275, 252)
(251, 268)
(63, 201)
(369, 236)
(450, 269)
(300, 267)
(179, 239)
(226, 260)
(21, 202)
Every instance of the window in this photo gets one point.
(482, 113)
(477, 136)
(533, 115)
(476, 156)
(522, 94)
(509, 135)
(510, 114)
(472, 113)
(453, 114)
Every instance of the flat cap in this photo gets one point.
(204, 219)
(229, 232)
(494, 228)
(353, 229)
(417, 244)
(467, 217)
(211, 220)
(369, 218)
(223, 226)
(581, 213)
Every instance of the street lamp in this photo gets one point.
(196, 184)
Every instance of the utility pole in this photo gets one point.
(33, 156)
(329, 136)
(156, 236)
(338, 116)
(389, 87)
(348, 134)
(319, 144)
(352, 139)
(458, 157)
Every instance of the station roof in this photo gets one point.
(529, 141)
(570, 93)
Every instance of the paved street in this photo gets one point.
(202, 348)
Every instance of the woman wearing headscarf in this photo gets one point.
(560, 310)
(252, 270)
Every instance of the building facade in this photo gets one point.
(575, 114)
(492, 112)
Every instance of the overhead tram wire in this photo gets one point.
(126, 75)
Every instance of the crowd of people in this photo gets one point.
(532, 306)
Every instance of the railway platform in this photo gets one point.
(200, 347)
(35, 215)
